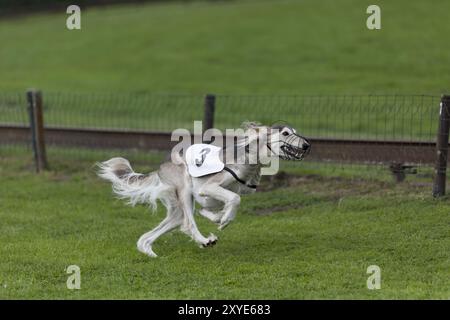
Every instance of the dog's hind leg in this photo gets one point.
(174, 219)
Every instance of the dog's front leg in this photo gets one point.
(230, 199)
(210, 215)
(189, 225)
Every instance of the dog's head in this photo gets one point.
(280, 140)
(287, 143)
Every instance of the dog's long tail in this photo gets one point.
(127, 184)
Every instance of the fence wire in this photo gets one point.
(13, 109)
(374, 128)
(13, 112)
(122, 111)
(384, 119)
(373, 117)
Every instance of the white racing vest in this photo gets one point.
(203, 159)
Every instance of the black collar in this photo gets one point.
(239, 179)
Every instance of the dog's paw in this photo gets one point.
(151, 253)
(147, 250)
(211, 240)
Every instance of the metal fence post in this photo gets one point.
(34, 99)
(210, 105)
(442, 147)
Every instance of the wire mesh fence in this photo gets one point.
(13, 109)
(349, 130)
(13, 112)
(372, 117)
(87, 114)
(122, 111)
(346, 130)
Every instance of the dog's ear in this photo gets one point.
(264, 133)
(250, 125)
(251, 134)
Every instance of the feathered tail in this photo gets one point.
(127, 184)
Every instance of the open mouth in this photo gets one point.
(291, 152)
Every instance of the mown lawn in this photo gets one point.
(296, 55)
(312, 238)
(308, 236)
(279, 47)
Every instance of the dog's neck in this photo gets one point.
(253, 174)
(250, 173)
(245, 161)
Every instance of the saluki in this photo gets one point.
(218, 193)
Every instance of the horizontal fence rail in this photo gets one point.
(350, 151)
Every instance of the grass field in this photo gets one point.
(312, 232)
(283, 47)
(312, 238)
(279, 47)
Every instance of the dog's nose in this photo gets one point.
(305, 146)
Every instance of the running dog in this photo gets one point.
(218, 194)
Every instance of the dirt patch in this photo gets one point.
(320, 184)
(334, 189)
(353, 185)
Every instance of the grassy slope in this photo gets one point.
(317, 244)
(261, 46)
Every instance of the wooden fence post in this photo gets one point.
(34, 99)
(210, 105)
(442, 147)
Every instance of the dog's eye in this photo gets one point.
(285, 133)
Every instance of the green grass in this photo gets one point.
(239, 47)
(312, 239)
(246, 47)
(311, 235)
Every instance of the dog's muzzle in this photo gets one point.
(295, 151)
